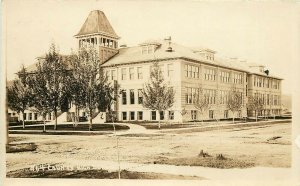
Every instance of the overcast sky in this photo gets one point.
(263, 33)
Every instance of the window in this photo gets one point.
(131, 73)
(153, 115)
(211, 114)
(140, 73)
(209, 74)
(189, 96)
(140, 115)
(161, 115)
(108, 75)
(170, 70)
(210, 96)
(140, 96)
(124, 97)
(161, 68)
(225, 114)
(186, 72)
(171, 115)
(190, 70)
(124, 116)
(237, 78)
(131, 96)
(49, 116)
(197, 72)
(113, 75)
(35, 116)
(194, 114)
(123, 73)
(30, 116)
(132, 115)
(225, 77)
(25, 116)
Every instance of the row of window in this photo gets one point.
(237, 78)
(132, 96)
(98, 41)
(265, 82)
(210, 74)
(209, 95)
(131, 73)
(268, 99)
(211, 114)
(132, 115)
(191, 71)
(30, 116)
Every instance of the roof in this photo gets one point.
(130, 55)
(34, 67)
(96, 22)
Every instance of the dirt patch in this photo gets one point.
(94, 174)
(219, 161)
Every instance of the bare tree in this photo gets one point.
(235, 101)
(19, 94)
(157, 95)
(255, 104)
(201, 101)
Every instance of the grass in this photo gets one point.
(236, 127)
(167, 125)
(80, 127)
(19, 123)
(22, 147)
(92, 174)
(209, 161)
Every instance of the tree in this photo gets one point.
(94, 88)
(235, 101)
(255, 104)
(49, 83)
(41, 97)
(157, 95)
(19, 94)
(201, 101)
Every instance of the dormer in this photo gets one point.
(149, 47)
(206, 53)
(258, 67)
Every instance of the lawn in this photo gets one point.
(70, 127)
(94, 174)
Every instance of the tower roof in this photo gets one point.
(97, 22)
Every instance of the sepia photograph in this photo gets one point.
(127, 92)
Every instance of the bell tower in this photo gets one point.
(97, 32)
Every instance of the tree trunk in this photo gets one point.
(159, 123)
(91, 121)
(44, 120)
(7, 126)
(256, 116)
(118, 152)
(233, 117)
(55, 115)
(23, 121)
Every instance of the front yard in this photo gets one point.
(266, 145)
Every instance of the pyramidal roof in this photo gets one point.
(97, 22)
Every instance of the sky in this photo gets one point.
(264, 33)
